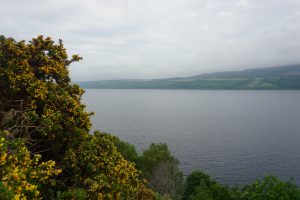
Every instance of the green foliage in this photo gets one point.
(162, 171)
(78, 194)
(5, 193)
(194, 180)
(127, 150)
(154, 155)
(270, 188)
(200, 186)
(213, 192)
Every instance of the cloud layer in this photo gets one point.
(161, 38)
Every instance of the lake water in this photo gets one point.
(234, 136)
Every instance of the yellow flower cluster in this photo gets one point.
(98, 166)
(19, 171)
(37, 72)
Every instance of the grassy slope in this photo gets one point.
(285, 77)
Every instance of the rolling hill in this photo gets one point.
(271, 78)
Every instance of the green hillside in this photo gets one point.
(272, 78)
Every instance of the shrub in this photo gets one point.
(42, 109)
(34, 79)
(99, 168)
(23, 175)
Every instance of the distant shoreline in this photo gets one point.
(274, 78)
(191, 89)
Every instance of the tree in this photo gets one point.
(162, 171)
(270, 188)
(200, 186)
(127, 150)
(194, 180)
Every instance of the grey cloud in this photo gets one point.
(161, 38)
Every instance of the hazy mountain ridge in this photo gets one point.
(252, 73)
(280, 77)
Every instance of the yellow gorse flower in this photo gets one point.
(19, 169)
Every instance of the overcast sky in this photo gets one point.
(121, 39)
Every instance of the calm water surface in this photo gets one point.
(235, 136)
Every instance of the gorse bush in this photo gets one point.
(101, 169)
(42, 112)
(23, 175)
(34, 79)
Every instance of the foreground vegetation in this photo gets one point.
(47, 151)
